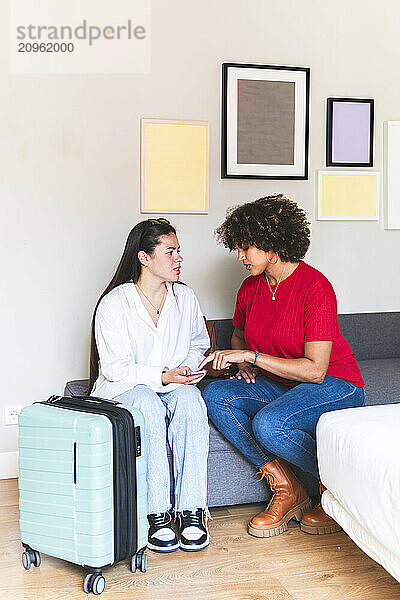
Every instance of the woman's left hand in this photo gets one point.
(222, 359)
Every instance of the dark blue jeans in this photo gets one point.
(266, 419)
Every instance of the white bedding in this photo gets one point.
(359, 462)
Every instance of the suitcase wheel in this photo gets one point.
(143, 566)
(139, 561)
(94, 583)
(29, 558)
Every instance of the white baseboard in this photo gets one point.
(8, 465)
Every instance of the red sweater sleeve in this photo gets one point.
(320, 315)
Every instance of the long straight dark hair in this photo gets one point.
(144, 236)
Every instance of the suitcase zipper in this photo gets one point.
(74, 462)
(123, 529)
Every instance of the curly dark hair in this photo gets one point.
(270, 223)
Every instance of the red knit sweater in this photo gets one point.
(304, 310)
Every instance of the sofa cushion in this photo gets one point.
(77, 387)
(372, 335)
(382, 380)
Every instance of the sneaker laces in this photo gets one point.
(162, 525)
(160, 519)
(207, 514)
(192, 523)
(191, 518)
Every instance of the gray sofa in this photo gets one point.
(375, 339)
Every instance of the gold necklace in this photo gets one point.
(158, 310)
(277, 285)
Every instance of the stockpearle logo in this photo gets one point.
(89, 36)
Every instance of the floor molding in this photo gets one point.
(8, 465)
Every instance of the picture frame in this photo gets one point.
(392, 174)
(350, 132)
(174, 166)
(348, 195)
(265, 121)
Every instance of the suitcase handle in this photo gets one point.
(72, 399)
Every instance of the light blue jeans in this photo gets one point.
(181, 417)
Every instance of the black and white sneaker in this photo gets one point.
(193, 532)
(162, 536)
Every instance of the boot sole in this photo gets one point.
(295, 513)
(320, 529)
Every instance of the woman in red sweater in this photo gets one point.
(293, 362)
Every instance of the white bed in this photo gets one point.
(359, 462)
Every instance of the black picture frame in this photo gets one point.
(279, 174)
(330, 103)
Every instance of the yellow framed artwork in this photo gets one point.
(174, 166)
(348, 196)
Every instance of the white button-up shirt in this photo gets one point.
(134, 351)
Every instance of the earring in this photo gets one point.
(269, 260)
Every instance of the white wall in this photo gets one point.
(69, 171)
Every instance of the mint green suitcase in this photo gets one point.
(82, 484)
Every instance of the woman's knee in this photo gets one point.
(136, 394)
(146, 400)
(266, 428)
(190, 402)
(215, 395)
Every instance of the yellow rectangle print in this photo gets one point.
(174, 166)
(348, 196)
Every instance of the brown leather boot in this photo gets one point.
(317, 522)
(290, 500)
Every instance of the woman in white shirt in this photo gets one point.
(148, 335)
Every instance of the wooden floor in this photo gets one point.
(236, 566)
